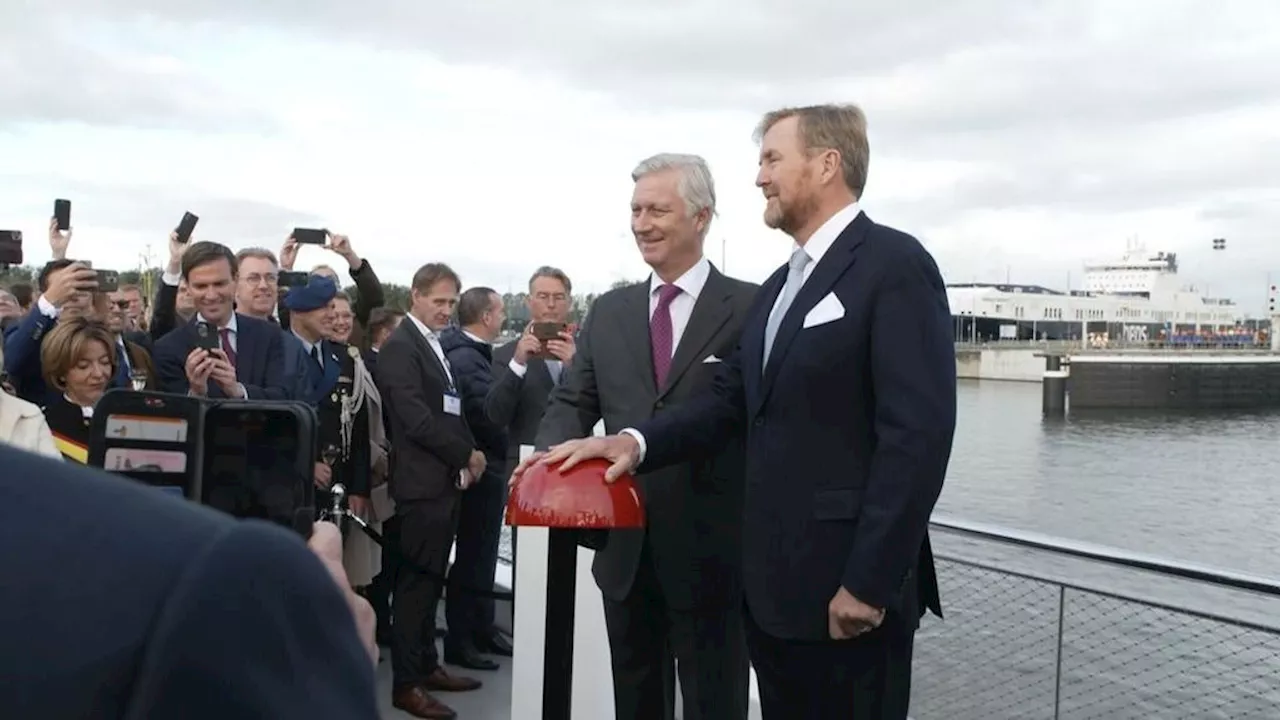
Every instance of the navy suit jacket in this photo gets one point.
(259, 360)
(22, 342)
(849, 432)
(163, 609)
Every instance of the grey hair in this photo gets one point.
(696, 187)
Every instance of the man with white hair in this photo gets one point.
(673, 590)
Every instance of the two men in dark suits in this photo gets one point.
(844, 382)
(434, 459)
(247, 361)
(672, 591)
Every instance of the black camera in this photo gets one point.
(246, 458)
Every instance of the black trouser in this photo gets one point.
(867, 677)
(426, 533)
(384, 582)
(647, 638)
(475, 558)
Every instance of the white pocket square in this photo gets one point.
(711, 359)
(827, 310)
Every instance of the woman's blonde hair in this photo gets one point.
(67, 342)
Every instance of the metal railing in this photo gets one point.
(1115, 346)
(1025, 638)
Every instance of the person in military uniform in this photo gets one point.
(337, 385)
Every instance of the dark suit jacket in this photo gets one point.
(694, 509)
(428, 446)
(22, 356)
(517, 403)
(849, 433)
(22, 345)
(259, 360)
(173, 610)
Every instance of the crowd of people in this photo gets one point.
(67, 343)
(789, 440)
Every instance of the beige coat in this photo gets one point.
(23, 426)
(361, 557)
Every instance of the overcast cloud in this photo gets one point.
(1014, 137)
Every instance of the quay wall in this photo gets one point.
(1171, 381)
(1018, 364)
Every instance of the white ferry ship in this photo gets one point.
(1137, 298)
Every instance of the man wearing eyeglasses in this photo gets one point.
(257, 294)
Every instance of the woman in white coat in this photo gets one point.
(22, 424)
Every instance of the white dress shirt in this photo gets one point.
(433, 339)
(691, 282)
(818, 244)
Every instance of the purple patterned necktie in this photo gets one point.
(660, 334)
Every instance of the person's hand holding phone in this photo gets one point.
(527, 346)
(224, 373)
(288, 253)
(563, 347)
(341, 245)
(59, 240)
(199, 367)
(67, 284)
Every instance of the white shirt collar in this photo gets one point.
(427, 332)
(825, 236)
(691, 282)
(473, 336)
(307, 345)
(231, 322)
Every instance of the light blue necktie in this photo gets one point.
(554, 368)
(799, 260)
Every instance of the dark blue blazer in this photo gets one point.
(315, 383)
(849, 432)
(22, 343)
(22, 355)
(259, 359)
(160, 608)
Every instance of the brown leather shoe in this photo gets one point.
(419, 703)
(442, 681)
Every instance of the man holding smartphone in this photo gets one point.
(220, 353)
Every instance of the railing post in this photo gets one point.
(1057, 673)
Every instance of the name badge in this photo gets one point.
(452, 404)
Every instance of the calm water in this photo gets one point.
(1202, 488)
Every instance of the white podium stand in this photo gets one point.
(592, 677)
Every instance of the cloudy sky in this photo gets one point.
(1015, 138)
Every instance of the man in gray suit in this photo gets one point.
(523, 374)
(674, 588)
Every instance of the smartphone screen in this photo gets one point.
(10, 247)
(293, 278)
(186, 227)
(207, 336)
(310, 236)
(62, 214)
(108, 280)
(253, 465)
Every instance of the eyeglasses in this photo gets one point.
(122, 304)
(259, 279)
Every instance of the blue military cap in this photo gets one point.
(316, 294)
